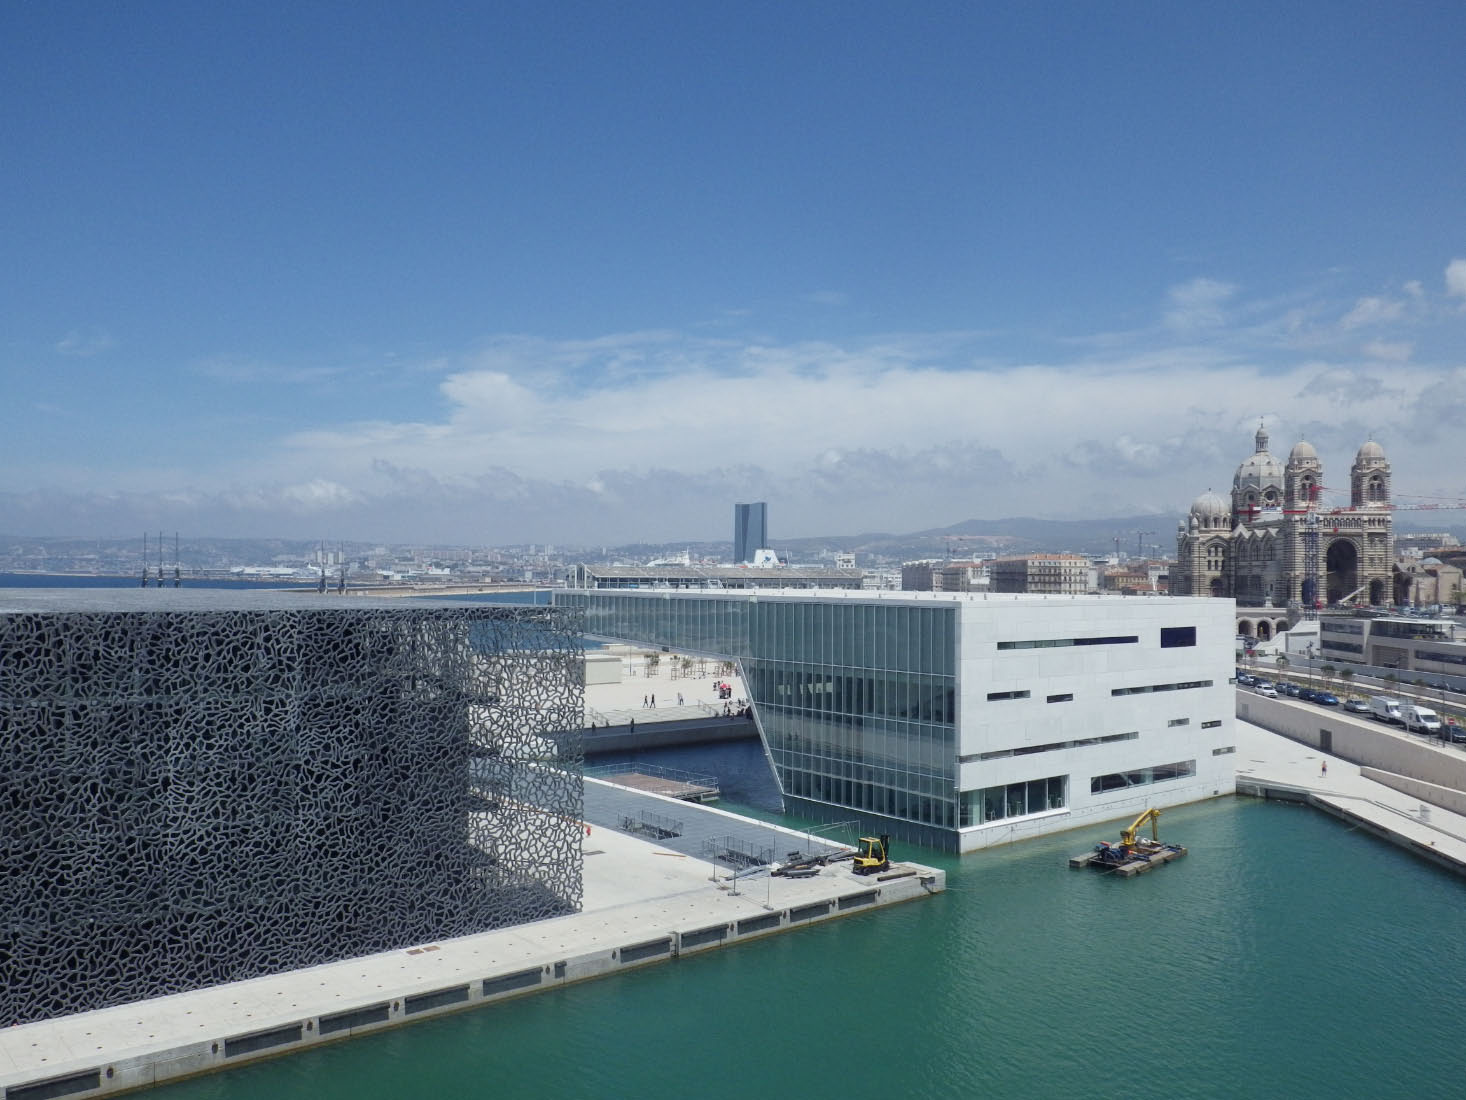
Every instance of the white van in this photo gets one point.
(1420, 719)
(1384, 709)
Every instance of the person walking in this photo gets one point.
(1323, 768)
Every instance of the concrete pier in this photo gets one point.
(1272, 766)
(644, 903)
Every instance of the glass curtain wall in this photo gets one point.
(856, 699)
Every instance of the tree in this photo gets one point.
(1282, 663)
(1347, 676)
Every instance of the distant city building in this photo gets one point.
(962, 576)
(1403, 644)
(1045, 574)
(1276, 544)
(750, 531)
(1421, 543)
(1428, 581)
(919, 576)
(200, 787)
(711, 576)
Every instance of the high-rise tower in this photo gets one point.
(750, 531)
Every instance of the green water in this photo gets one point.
(1286, 956)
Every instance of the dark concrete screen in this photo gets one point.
(191, 796)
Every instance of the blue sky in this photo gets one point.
(592, 273)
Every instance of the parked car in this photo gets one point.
(1325, 699)
(1246, 679)
(1308, 695)
(1356, 706)
(1290, 690)
(1455, 732)
(1266, 689)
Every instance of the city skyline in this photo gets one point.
(589, 275)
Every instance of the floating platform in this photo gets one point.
(667, 782)
(1144, 855)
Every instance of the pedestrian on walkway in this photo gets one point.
(643, 702)
(1323, 768)
(654, 702)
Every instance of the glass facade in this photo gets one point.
(855, 699)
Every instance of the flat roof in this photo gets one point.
(720, 572)
(880, 595)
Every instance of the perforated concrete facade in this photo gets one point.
(197, 788)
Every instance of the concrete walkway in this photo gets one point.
(643, 903)
(620, 703)
(1272, 766)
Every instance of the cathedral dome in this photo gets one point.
(1302, 451)
(1371, 451)
(1259, 469)
(1211, 506)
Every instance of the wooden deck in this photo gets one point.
(671, 788)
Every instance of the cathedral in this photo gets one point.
(1278, 543)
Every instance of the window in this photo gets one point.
(997, 696)
(1174, 637)
(1179, 722)
(1034, 796)
(1158, 773)
(1147, 688)
(1061, 698)
(1224, 751)
(1061, 643)
(1212, 724)
(1029, 750)
(1340, 647)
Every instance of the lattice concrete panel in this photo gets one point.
(195, 797)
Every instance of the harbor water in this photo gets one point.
(1285, 956)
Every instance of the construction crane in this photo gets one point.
(1152, 817)
(1139, 536)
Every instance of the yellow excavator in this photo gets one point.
(873, 856)
(1108, 855)
(1151, 816)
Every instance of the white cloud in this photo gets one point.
(84, 345)
(1198, 303)
(827, 297)
(1373, 311)
(1456, 278)
(1392, 351)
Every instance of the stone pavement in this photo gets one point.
(1270, 765)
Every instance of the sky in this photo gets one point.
(591, 273)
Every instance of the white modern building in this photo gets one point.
(964, 720)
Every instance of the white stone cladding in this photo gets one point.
(1170, 725)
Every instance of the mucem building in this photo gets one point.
(198, 787)
(964, 721)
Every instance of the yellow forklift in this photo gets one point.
(873, 856)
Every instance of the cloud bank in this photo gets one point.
(653, 435)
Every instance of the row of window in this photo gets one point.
(1159, 773)
(1438, 655)
(1172, 637)
(1029, 750)
(1013, 800)
(1146, 689)
(1341, 647)
(1332, 627)
(1063, 643)
(1003, 696)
